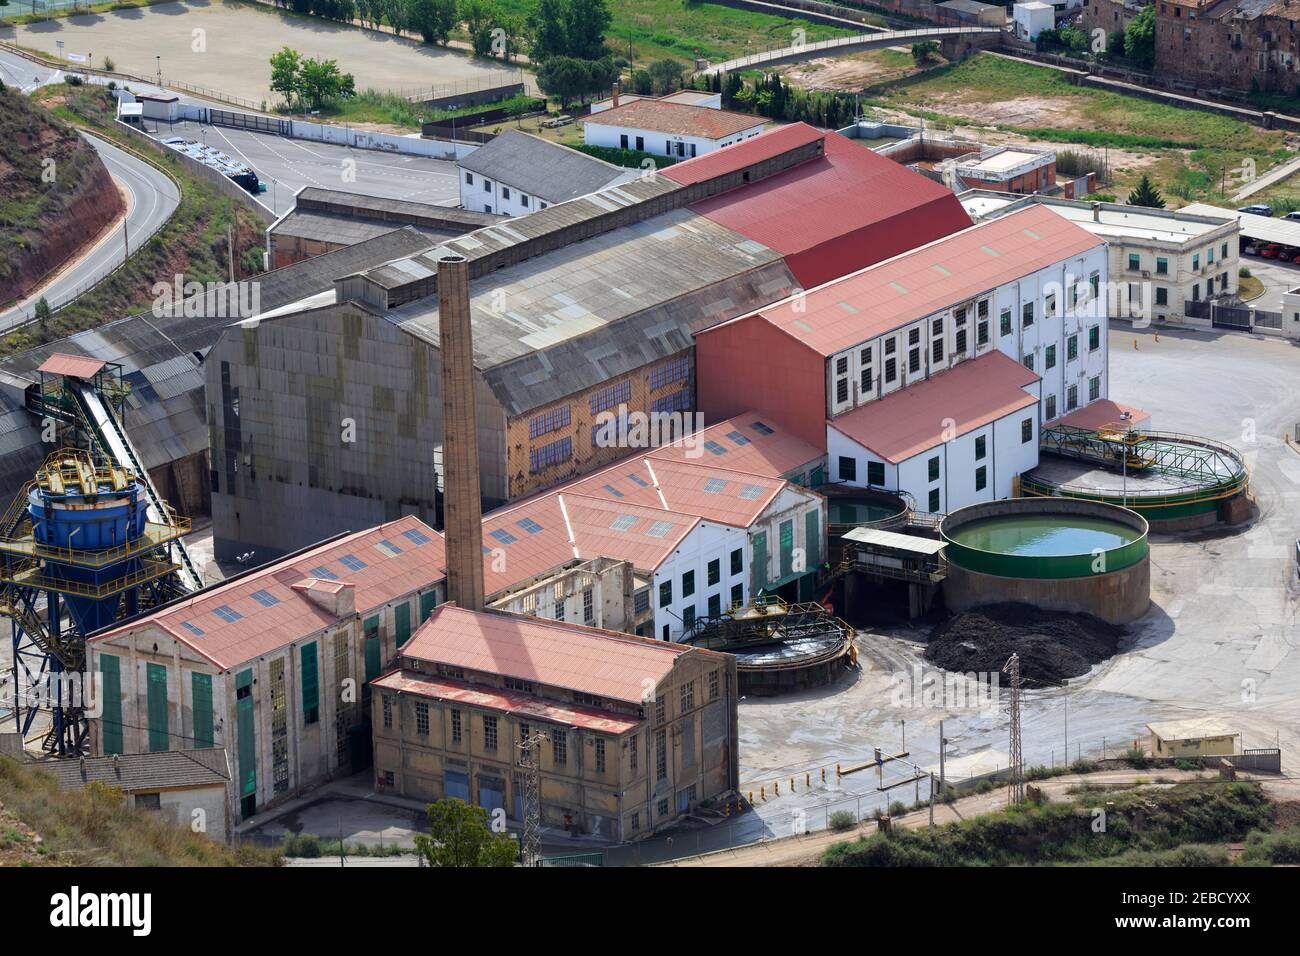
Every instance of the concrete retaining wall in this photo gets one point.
(1117, 597)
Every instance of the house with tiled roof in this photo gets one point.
(667, 127)
(933, 372)
(628, 733)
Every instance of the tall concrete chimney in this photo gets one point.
(462, 508)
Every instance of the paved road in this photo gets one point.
(151, 200)
(287, 165)
(1277, 278)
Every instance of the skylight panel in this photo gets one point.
(227, 613)
(416, 536)
(623, 522)
(529, 525)
(660, 529)
(638, 480)
(751, 492)
(192, 628)
(762, 429)
(613, 491)
(265, 598)
(504, 536)
(386, 547)
(352, 562)
(715, 448)
(714, 486)
(738, 438)
(324, 573)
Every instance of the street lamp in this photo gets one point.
(1126, 418)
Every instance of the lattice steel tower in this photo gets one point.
(1016, 791)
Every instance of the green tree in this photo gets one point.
(1146, 194)
(924, 51)
(563, 78)
(320, 81)
(285, 68)
(546, 32)
(642, 83)
(585, 23)
(1140, 37)
(1074, 39)
(666, 74)
(480, 18)
(42, 312)
(432, 19)
(459, 835)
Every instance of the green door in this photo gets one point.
(787, 548)
(402, 623)
(760, 562)
(813, 539)
(372, 648)
(246, 735)
(818, 477)
(157, 700)
(202, 692)
(427, 603)
(310, 683)
(111, 669)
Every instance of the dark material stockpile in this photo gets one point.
(1052, 645)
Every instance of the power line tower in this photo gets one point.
(530, 762)
(1016, 792)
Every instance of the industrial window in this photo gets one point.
(737, 595)
(1029, 361)
(622, 522)
(715, 605)
(737, 561)
(688, 584)
(638, 480)
(981, 447)
(588, 606)
(661, 710)
(523, 200)
(933, 467)
(676, 370)
(641, 601)
(550, 421)
(1196, 261)
(848, 468)
(616, 394)
(914, 336)
(193, 629)
(1005, 320)
(1049, 305)
(1072, 348)
(981, 477)
(762, 429)
(469, 179)
(201, 688)
(514, 683)
(936, 350)
(455, 726)
(1094, 388)
(714, 448)
(1026, 431)
(1072, 398)
(875, 472)
(502, 535)
(659, 529)
(487, 185)
(1134, 262)
(148, 801)
(665, 593)
(1049, 357)
(529, 525)
(422, 719)
(324, 573)
(1196, 292)
(1209, 256)
(352, 562)
(559, 609)
(1050, 412)
(310, 683)
(1223, 251)
(632, 757)
(1094, 338)
(663, 807)
(489, 732)
(688, 696)
(738, 438)
(416, 536)
(959, 343)
(714, 684)
(891, 369)
(934, 500)
(715, 486)
(867, 379)
(1162, 295)
(661, 758)
(387, 702)
(842, 365)
(613, 491)
(891, 346)
(539, 459)
(688, 618)
(914, 361)
(1162, 266)
(672, 402)
(1094, 283)
(560, 747)
(600, 755)
(636, 821)
(505, 192)
(714, 571)
(227, 614)
(1027, 315)
(841, 391)
(265, 598)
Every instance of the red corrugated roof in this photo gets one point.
(765, 145)
(1104, 412)
(770, 452)
(604, 663)
(78, 366)
(509, 702)
(836, 214)
(678, 118)
(919, 417)
(851, 310)
(260, 629)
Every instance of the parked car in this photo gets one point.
(1251, 249)
(1293, 216)
(1270, 251)
(1258, 209)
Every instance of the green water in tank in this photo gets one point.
(858, 512)
(1044, 535)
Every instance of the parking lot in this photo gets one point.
(287, 165)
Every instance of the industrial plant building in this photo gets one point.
(871, 367)
(628, 734)
(325, 414)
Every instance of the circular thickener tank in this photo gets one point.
(1056, 553)
(107, 519)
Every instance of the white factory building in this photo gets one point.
(668, 128)
(517, 173)
(936, 370)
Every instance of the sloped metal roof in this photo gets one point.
(541, 168)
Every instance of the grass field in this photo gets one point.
(1194, 155)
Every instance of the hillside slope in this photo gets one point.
(55, 195)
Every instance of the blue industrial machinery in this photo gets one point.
(86, 543)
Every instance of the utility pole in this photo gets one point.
(1066, 758)
(230, 252)
(943, 745)
(931, 799)
(530, 761)
(1016, 792)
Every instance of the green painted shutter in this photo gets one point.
(372, 648)
(427, 603)
(818, 477)
(402, 623)
(787, 548)
(157, 697)
(111, 669)
(812, 539)
(247, 740)
(760, 562)
(202, 692)
(310, 678)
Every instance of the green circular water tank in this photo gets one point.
(1044, 538)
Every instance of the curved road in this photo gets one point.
(151, 199)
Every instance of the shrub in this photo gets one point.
(109, 65)
(842, 820)
(984, 786)
(1183, 764)
(897, 808)
(1137, 757)
(1243, 273)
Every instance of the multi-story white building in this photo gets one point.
(931, 373)
(1160, 259)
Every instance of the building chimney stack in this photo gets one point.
(462, 510)
(1096, 212)
(614, 102)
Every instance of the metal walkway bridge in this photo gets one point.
(852, 44)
